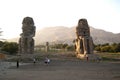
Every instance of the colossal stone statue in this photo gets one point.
(26, 41)
(84, 42)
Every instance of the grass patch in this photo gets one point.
(109, 56)
(109, 59)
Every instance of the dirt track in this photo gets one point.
(64, 70)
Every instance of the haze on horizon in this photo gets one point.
(101, 14)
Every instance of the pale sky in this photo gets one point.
(101, 14)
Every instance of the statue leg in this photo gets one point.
(91, 45)
(76, 47)
(88, 45)
(30, 46)
(23, 45)
(81, 46)
(85, 45)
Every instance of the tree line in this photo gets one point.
(12, 47)
(115, 47)
(64, 46)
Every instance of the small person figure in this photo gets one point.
(34, 60)
(17, 64)
(98, 59)
(87, 57)
(47, 61)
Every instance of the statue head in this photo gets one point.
(28, 27)
(28, 21)
(82, 29)
(82, 22)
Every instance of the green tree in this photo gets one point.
(10, 47)
(106, 48)
(60, 46)
(115, 47)
(1, 39)
(71, 48)
(97, 47)
(64, 46)
(118, 47)
(1, 43)
(106, 44)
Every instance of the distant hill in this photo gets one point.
(67, 35)
(55, 34)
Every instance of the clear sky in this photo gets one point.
(101, 14)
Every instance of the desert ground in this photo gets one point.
(61, 69)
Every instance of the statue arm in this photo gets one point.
(33, 31)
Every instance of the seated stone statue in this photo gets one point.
(26, 41)
(84, 42)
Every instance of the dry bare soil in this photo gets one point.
(64, 69)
